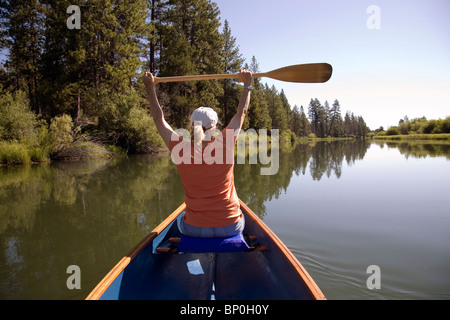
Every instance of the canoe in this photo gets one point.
(155, 270)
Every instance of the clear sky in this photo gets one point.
(402, 68)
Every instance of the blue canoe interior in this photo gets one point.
(155, 270)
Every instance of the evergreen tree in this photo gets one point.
(362, 128)
(232, 63)
(335, 119)
(156, 11)
(62, 63)
(324, 121)
(353, 124)
(347, 124)
(287, 109)
(300, 125)
(190, 44)
(305, 125)
(314, 115)
(103, 56)
(276, 110)
(21, 22)
(258, 112)
(296, 125)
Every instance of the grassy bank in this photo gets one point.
(309, 140)
(414, 137)
(15, 153)
(123, 126)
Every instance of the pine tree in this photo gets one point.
(116, 37)
(61, 63)
(326, 119)
(286, 108)
(156, 10)
(258, 112)
(314, 115)
(22, 34)
(79, 66)
(276, 110)
(296, 125)
(129, 41)
(362, 128)
(305, 125)
(335, 119)
(190, 44)
(322, 122)
(232, 63)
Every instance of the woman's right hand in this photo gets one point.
(246, 77)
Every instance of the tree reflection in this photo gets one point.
(85, 213)
(91, 213)
(323, 158)
(419, 149)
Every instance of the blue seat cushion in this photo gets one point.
(199, 245)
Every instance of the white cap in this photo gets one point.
(207, 116)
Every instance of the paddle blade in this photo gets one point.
(301, 73)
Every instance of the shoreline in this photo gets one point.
(417, 137)
(113, 152)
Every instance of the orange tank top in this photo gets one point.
(208, 180)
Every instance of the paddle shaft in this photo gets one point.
(204, 77)
(305, 73)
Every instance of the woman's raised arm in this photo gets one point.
(164, 129)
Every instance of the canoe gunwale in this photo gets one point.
(104, 284)
(297, 266)
(98, 291)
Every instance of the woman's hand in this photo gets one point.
(149, 80)
(164, 129)
(246, 77)
(238, 119)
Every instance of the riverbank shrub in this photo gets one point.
(287, 136)
(22, 135)
(446, 125)
(25, 138)
(141, 132)
(81, 149)
(126, 122)
(392, 131)
(444, 137)
(13, 153)
(419, 126)
(68, 142)
(17, 121)
(60, 132)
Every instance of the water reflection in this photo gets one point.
(84, 213)
(318, 159)
(419, 149)
(91, 213)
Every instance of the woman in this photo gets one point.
(212, 205)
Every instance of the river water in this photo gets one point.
(340, 207)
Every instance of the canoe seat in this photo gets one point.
(199, 245)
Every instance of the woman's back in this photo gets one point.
(208, 180)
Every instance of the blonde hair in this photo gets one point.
(199, 134)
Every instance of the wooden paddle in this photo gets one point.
(304, 73)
